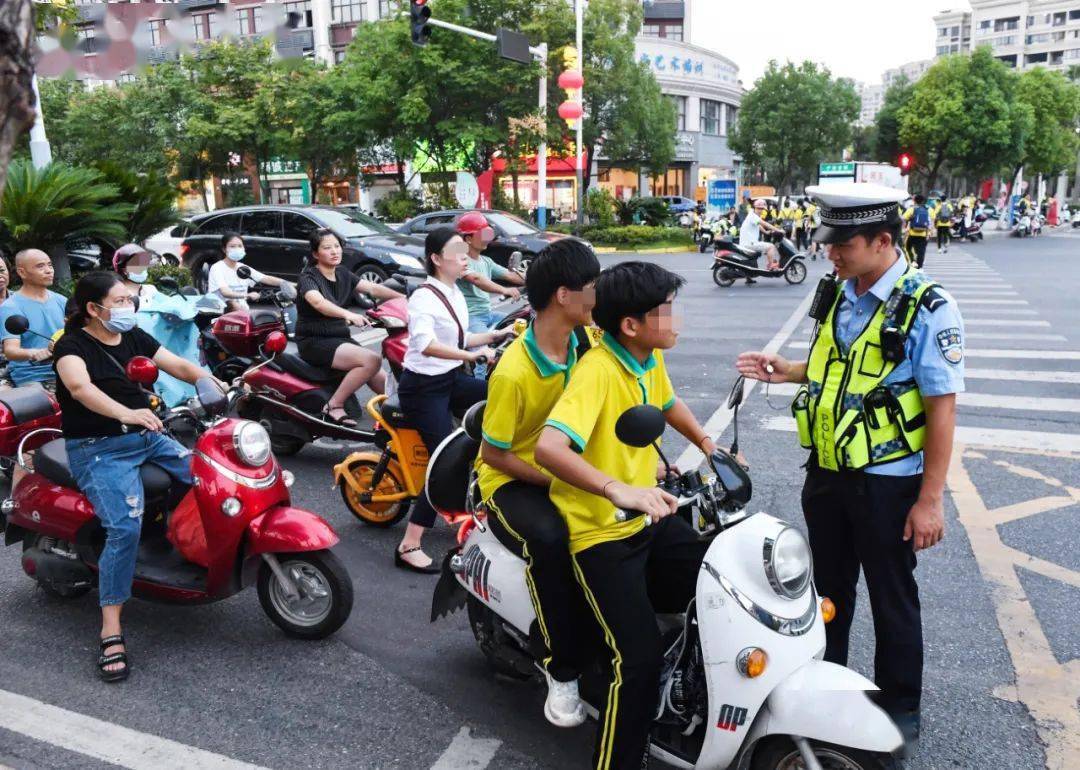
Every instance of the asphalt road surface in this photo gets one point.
(219, 686)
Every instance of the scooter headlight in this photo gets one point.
(788, 563)
(252, 443)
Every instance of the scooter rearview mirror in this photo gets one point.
(735, 397)
(243, 271)
(168, 285)
(16, 324)
(515, 260)
(213, 400)
(639, 426)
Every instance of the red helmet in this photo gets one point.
(472, 223)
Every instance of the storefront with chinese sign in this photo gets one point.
(561, 185)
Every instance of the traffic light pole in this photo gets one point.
(579, 8)
(540, 53)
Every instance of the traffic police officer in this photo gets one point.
(877, 410)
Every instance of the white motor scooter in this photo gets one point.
(743, 683)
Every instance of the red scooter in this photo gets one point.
(234, 527)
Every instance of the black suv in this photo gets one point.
(276, 241)
(511, 233)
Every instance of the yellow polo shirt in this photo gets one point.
(606, 383)
(521, 392)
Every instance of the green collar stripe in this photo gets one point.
(630, 363)
(543, 364)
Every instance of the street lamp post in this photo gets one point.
(579, 10)
(541, 151)
(40, 151)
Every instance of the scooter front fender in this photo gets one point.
(284, 529)
(826, 702)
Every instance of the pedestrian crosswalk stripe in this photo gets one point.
(1000, 311)
(960, 293)
(999, 438)
(992, 302)
(1016, 336)
(1021, 403)
(1022, 375)
(1002, 322)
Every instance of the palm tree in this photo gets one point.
(42, 208)
(152, 198)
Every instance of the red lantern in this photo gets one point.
(570, 110)
(571, 80)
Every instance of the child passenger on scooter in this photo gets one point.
(629, 571)
(109, 432)
(530, 378)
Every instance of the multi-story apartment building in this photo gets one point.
(953, 32)
(1022, 33)
(871, 97)
(911, 71)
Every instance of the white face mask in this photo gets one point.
(137, 277)
(235, 254)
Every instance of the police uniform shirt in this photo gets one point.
(934, 349)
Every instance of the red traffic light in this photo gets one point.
(905, 163)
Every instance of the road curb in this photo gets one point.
(668, 250)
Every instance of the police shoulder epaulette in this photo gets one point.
(932, 299)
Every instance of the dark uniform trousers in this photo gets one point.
(524, 512)
(626, 583)
(916, 245)
(857, 519)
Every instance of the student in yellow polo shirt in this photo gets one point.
(629, 571)
(529, 379)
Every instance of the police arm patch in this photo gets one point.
(951, 344)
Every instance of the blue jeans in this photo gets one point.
(106, 468)
(479, 323)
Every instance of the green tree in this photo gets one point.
(962, 114)
(42, 207)
(151, 198)
(864, 144)
(887, 122)
(794, 118)
(1054, 102)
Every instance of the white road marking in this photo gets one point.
(999, 311)
(972, 293)
(987, 400)
(467, 753)
(1016, 336)
(105, 741)
(998, 438)
(721, 418)
(964, 303)
(1043, 355)
(1072, 378)
(1002, 322)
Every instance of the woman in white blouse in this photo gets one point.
(433, 384)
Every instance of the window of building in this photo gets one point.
(125, 77)
(339, 55)
(87, 40)
(943, 32)
(1009, 61)
(346, 10)
(249, 20)
(673, 31)
(1056, 57)
(1071, 54)
(157, 31)
(1058, 35)
(1035, 58)
(650, 30)
(710, 117)
(205, 25)
(388, 8)
(680, 111)
(955, 32)
(1004, 25)
(302, 8)
(732, 119)
(1040, 38)
(1059, 18)
(942, 50)
(1074, 15)
(1030, 21)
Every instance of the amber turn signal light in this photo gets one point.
(751, 662)
(828, 609)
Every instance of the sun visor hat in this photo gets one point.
(131, 255)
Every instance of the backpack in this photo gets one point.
(920, 218)
(945, 213)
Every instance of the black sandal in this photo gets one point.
(104, 660)
(399, 562)
(344, 421)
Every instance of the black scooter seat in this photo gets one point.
(51, 461)
(391, 413)
(725, 244)
(292, 363)
(26, 403)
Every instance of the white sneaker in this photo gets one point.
(563, 707)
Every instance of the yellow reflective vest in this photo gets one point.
(845, 413)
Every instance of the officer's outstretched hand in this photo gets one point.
(925, 524)
(651, 501)
(757, 365)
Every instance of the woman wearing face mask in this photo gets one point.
(224, 281)
(132, 263)
(110, 432)
(433, 385)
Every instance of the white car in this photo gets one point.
(167, 242)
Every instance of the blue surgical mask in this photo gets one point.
(137, 277)
(235, 254)
(120, 320)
